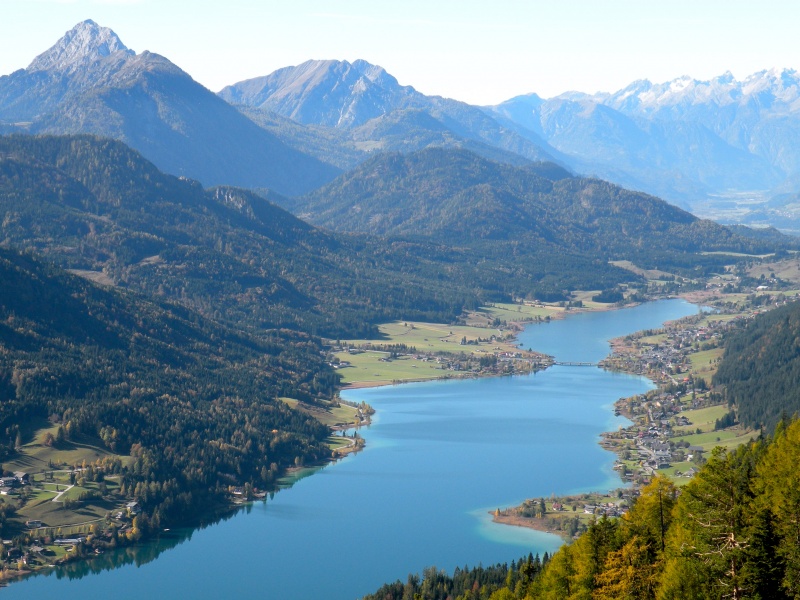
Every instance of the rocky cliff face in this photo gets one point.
(90, 82)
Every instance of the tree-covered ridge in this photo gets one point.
(760, 370)
(731, 532)
(96, 205)
(457, 197)
(194, 403)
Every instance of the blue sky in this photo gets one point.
(478, 51)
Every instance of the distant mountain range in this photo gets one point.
(89, 82)
(376, 113)
(710, 146)
(685, 140)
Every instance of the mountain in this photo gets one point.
(90, 82)
(324, 92)
(402, 130)
(759, 115)
(98, 208)
(348, 96)
(458, 198)
(685, 140)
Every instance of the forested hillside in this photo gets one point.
(95, 205)
(457, 197)
(732, 532)
(194, 403)
(760, 371)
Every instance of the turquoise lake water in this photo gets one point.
(440, 455)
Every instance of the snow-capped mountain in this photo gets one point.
(90, 82)
(684, 139)
(771, 90)
(84, 44)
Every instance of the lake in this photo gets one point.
(440, 455)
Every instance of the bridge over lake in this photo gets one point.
(567, 363)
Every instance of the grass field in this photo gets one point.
(712, 318)
(681, 467)
(368, 367)
(431, 337)
(342, 417)
(653, 340)
(787, 270)
(336, 442)
(518, 312)
(53, 514)
(586, 298)
(35, 456)
(705, 363)
(702, 418)
(650, 274)
(375, 367)
(330, 416)
(727, 438)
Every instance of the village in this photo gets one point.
(673, 427)
(41, 543)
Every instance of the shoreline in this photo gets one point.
(659, 417)
(513, 328)
(233, 505)
(511, 516)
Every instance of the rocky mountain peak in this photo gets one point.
(82, 45)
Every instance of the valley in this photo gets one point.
(208, 302)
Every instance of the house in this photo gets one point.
(68, 541)
(5, 491)
(8, 482)
(22, 477)
(133, 508)
(34, 524)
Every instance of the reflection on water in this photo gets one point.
(146, 552)
(133, 555)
